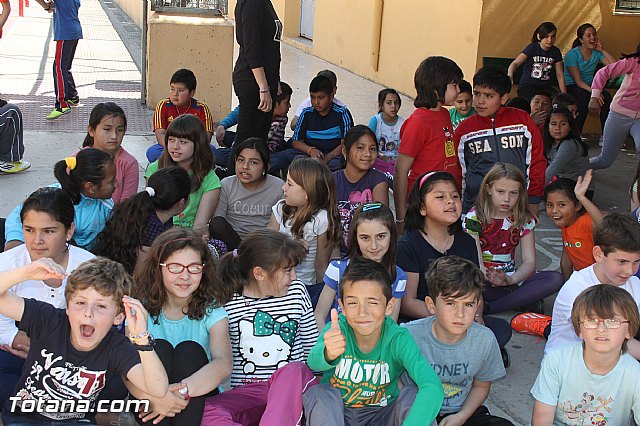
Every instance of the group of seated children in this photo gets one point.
(234, 277)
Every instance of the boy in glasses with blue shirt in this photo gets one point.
(595, 382)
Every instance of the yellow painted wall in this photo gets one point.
(133, 8)
(411, 31)
(204, 45)
(620, 33)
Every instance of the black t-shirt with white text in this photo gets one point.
(55, 370)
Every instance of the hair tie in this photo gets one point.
(150, 191)
(235, 253)
(553, 179)
(425, 177)
(71, 163)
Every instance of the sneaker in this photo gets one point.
(601, 141)
(14, 166)
(530, 323)
(57, 113)
(73, 101)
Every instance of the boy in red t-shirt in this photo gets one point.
(180, 101)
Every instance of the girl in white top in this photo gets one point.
(309, 212)
(47, 224)
(386, 125)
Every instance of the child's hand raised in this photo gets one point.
(334, 341)
(44, 269)
(136, 315)
(582, 185)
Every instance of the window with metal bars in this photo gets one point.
(195, 7)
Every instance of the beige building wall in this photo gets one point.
(134, 9)
(202, 44)
(619, 32)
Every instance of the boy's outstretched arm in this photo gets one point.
(149, 376)
(12, 305)
(582, 185)
(477, 396)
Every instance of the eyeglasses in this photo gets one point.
(177, 268)
(609, 324)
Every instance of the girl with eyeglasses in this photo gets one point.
(179, 286)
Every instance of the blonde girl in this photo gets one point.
(500, 223)
(309, 212)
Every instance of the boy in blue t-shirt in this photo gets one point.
(464, 354)
(321, 128)
(66, 33)
(594, 382)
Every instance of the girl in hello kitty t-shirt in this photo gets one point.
(272, 329)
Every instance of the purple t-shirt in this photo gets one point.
(351, 195)
(539, 68)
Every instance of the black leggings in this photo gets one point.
(220, 229)
(251, 121)
(582, 102)
(180, 362)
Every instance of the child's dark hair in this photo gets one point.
(126, 229)
(149, 285)
(53, 201)
(567, 187)
(453, 277)
(563, 100)
(543, 92)
(580, 32)
(355, 133)
(264, 248)
(492, 77)
(431, 79)
(635, 54)
(382, 96)
(422, 186)
(520, 103)
(574, 134)
(285, 92)
(316, 180)
(465, 87)
(186, 77)
(543, 31)
(383, 214)
(617, 232)
(190, 127)
(330, 75)
(601, 301)
(105, 276)
(362, 269)
(90, 167)
(100, 112)
(252, 143)
(321, 84)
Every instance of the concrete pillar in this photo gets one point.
(202, 44)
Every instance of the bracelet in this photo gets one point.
(399, 220)
(140, 336)
(264, 91)
(184, 392)
(310, 149)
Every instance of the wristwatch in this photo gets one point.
(184, 392)
(148, 347)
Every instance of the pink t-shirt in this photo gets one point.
(127, 176)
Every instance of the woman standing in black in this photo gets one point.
(256, 75)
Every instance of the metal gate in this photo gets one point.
(307, 12)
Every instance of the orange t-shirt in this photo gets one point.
(577, 239)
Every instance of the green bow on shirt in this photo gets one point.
(265, 325)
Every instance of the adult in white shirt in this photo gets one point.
(48, 225)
